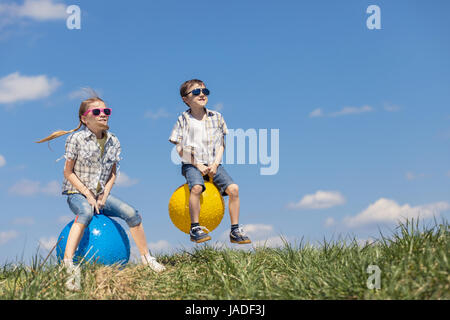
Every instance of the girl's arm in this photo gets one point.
(104, 196)
(75, 181)
(110, 183)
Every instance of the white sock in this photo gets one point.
(146, 258)
(68, 262)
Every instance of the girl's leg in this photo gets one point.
(74, 238)
(138, 235)
(84, 211)
(115, 207)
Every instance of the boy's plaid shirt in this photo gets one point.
(90, 167)
(216, 130)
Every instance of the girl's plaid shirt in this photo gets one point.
(216, 129)
(90, 167)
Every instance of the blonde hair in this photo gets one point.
(83, 107)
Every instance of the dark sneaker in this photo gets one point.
(198, 235)
(238, 236)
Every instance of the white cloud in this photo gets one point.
(65, 219)
(316, 113)
(15, 87)
(344, 111)
(124, 180)
(259, 234)
(387, 210)
(258, 231)
(351, 110)
(329, 222)
(27, 187)
(84, 93)
(272, 242)
(39, 10)
(319, 200)
(218, 106)
(52, 188)
(160, 113)
(6, 236)
(412, 176)
(48, 243)
(158, 246)
(2, 161)
(391, 108)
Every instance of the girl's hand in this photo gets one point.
(101, 200)
(93, 202)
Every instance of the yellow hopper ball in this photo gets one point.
(212, 208)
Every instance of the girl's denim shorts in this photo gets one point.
(114, 207)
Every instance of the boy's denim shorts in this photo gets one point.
(114, 207)
(193, 177)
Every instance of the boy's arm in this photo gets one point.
(189, 157)
(212, 169)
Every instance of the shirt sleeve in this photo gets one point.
(118, 152)
(223, 126)
(71, 152)
(177, 133)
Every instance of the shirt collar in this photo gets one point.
(208, 112)
(88, 134)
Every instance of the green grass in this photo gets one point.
(413, 263)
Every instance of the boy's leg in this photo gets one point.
(233, 202)
(194, 203)
(227, 186)
(196, 186)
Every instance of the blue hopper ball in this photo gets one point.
(104, 240)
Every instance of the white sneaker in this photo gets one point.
(153, 264)
(73, 282)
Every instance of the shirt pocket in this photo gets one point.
(89, 157)
(215, 136)
(110, 157)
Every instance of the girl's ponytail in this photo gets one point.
(83, 107)
(59, 133)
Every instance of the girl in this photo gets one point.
(92, 155)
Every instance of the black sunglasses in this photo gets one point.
(196, 92)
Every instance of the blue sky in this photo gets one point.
(363, 115)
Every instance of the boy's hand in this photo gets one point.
(204, 170)
(212, 170)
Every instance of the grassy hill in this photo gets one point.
(412, 264)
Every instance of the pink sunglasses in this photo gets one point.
(97, 111)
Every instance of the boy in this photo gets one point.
(199, 137)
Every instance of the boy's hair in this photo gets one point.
(186, 85)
